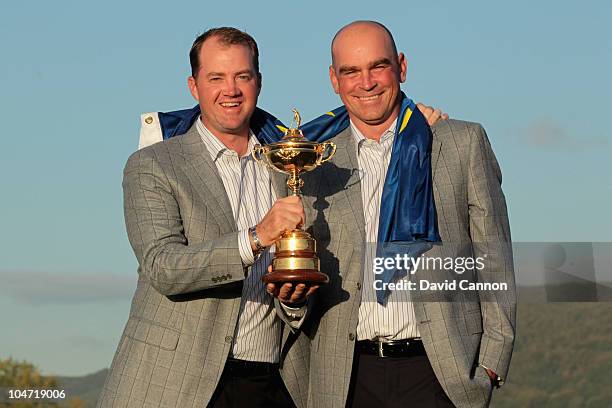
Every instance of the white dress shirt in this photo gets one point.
(396, 320)
(251, 195)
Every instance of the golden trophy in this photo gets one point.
(295, 259)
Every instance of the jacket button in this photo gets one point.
(358, 285)
(351, 336)
(149, 120)
(228, 339)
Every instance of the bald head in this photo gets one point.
(366, 72)
(352, 32)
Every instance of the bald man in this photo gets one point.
(407, 351)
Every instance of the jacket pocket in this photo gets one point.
(473, 321)
(150, 332)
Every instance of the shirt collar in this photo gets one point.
(214, 145)
(384, 138)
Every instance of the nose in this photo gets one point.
(231, 88)
(367, 82)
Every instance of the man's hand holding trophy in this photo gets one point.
(294, 272)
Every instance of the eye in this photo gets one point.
(244, 77)
(214, 79)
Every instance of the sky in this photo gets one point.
(76, 75)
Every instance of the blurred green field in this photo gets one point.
(562, 357)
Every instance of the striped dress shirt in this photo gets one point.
(248, 186)
(396, 320)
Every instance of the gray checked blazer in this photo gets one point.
(184, 312)
(458, 334)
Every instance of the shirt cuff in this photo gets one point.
(294, 312)
(244, 245)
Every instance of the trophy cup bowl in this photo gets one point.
(295, 259)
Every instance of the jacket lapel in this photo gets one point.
(279, 182)
(346, 159)
(202, 172)
(436, 146)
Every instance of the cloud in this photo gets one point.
(65, 288)
(545, 134)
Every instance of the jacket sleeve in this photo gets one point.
(490, 233)
(155, 231)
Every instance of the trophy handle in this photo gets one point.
(329, 149)
(257, 153)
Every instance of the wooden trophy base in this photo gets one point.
(295, 260)
(308, 277)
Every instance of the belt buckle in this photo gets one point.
(380, 349)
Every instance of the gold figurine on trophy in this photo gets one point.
(295, 259)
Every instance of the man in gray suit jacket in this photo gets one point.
(415, 350)
(200, 214)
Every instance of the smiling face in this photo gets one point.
(366, 73)
(226, 86)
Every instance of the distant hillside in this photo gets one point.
(562, 357)
(87, 387)
(575, 292)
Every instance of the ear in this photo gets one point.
(403, 65)
(193, 88)
(334, 79)
(259, 83)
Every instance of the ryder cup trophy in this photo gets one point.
(295, 259)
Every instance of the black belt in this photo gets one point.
(244, 368)
(396, 348)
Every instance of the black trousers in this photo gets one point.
(394, 382)
(246, 385)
